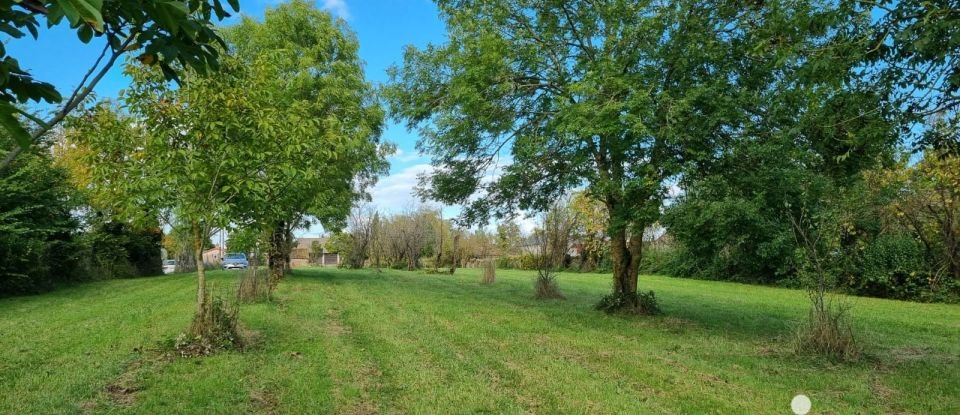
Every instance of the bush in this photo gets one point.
(828, 333)
(640, 303)
(38, 246)
(214, 329)
(893, 266)
(522, 262)
(661, 260)
(545, 287)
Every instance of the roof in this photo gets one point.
(214, 249)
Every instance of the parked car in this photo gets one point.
(169, 266)
(235, 261)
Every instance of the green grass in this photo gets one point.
(359, 342)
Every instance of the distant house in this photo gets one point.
(213, 256)
(312, 251)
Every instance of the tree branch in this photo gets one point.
(76, 98)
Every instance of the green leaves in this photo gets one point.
(177, 34)
(78, 12)
(9, 122)
(169, 14)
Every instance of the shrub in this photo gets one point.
(893, 266)
(545, 287)
(828, 332)
(37, 227)
(658, 260)
(640, 303)
(489, 271)
(214, 329)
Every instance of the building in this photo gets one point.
(213, 256)
(312, 251)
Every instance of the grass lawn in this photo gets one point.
(357, 342)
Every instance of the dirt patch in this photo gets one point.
(122, 395)
(251, 339)
(335, 324)
(911, 353)
(123, 391)
(908, 355)
(367, 379)
(363, 407)
(264, 401)
(335, 327)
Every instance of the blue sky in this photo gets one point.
(383, 27)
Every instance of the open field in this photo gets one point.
(357, 342)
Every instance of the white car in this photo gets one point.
(169, 266)
(235, 261)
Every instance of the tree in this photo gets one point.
(916, 47)
(553, 243)
(929, 205)
(341, 243)
(319, 122)
(168, 34)
(596, 94)
(408, 236)
(361, 224)
(591, 234)
(178, 149)
(508, 237)
(37, 229)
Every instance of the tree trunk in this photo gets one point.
(624, 273)
(276, 257)
(456, 257)
(625, 252)
(436, 265)
(201, 275)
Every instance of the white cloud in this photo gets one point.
(394, 193)
(337, 7)
(526, 223)
(401, 156)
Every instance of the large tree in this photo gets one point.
(916, 47)
(616, 96)
(319, 145)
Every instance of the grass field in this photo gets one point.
(357, 342)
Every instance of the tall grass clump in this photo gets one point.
(828, 333)
(546, 287)
(253, 288)
(489, 272)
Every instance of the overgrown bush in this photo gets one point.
(522, 262)
(828, 332)
(116, 250)
(642, 303)
(215, 328)
(38, 244)
(661, 260)
(892, 266)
